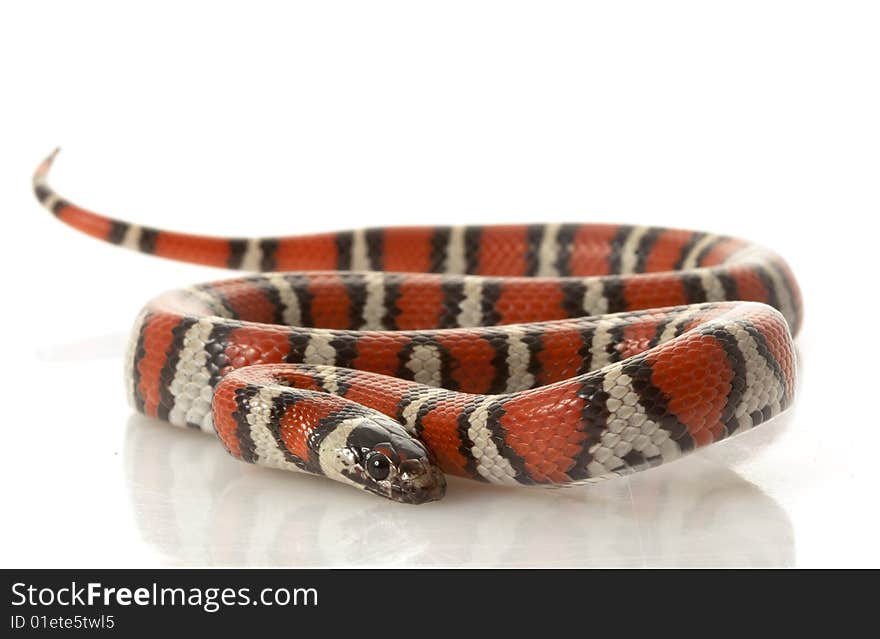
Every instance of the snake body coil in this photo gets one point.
(383, 358)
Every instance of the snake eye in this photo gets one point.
(378, 466)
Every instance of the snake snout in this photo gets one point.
(418, 479)
(421, 482)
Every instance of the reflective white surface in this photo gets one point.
(198, 508)
(759, 122)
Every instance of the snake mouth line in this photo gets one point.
(432, 488)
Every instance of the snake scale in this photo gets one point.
(383, 358)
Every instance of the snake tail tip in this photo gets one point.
(46, 164)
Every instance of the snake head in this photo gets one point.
(382, 458)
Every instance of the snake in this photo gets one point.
(551, 354)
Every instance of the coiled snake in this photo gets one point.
(383, 358)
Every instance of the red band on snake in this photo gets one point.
(548, 354)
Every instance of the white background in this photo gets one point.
(757, 119)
